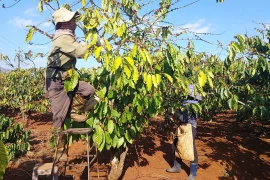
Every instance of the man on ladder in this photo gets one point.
(62, 57)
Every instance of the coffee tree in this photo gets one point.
(141, 63)
(23, 90)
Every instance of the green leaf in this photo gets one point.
(230, 53)
(108, 138)
(115, 141)
(3, 159)
(132, 131)
(230, 103)
(120, 142)
(102, 145)
(110, 126)
(108, 146)
(98, 135)
(128, 138)
(71, 82)
(114, 114)
(111, 94)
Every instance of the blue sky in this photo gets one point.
(230, 18)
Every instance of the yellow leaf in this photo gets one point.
(142, 55)
(134, 51)
(94, 38)
(70, 72)
(124, 27)
(127, 71)
(202, 78)
(107, 44)
(210, 74)
(83, 2)
(248, 87)
(104, 5)
(106, 61)
(154, 79)
(97, 51)
(40, 6)
(149, 82)
(86, 55)
(148, 56)
(117, 63)
(30, 34)
(135, 74)
(130, 61)
(88, 35)
(158, 78)
(144, 77)
(210, 82)
(119, 31)
(168, 77)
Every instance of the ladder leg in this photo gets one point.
(97, 162)
(88, 161)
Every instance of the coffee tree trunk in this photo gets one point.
(117, 163)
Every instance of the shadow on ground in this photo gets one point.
(242, 155)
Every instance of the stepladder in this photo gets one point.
(91, 154)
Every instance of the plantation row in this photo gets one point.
(132, 92)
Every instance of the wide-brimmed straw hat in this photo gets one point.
(63, 15)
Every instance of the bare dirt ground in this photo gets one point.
(227, 150)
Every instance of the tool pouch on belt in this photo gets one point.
(184, 145)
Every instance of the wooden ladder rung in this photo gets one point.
(78, 131)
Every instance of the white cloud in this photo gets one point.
(37, 47)
(40, 62)
(20, 22)
(31, 12)
(197, 27)
(46, 24)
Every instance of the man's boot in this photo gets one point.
(193, 171)
(176, 166)
(90, 103)
(81, 106)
